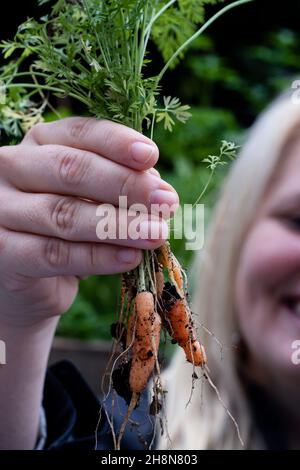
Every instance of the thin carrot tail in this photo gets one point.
(132, 405)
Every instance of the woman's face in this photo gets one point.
(268, 283)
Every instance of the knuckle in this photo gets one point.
(5, 157)
(94, 256)
(35, 131)
(80, 128)
(3, 241)
(109, 136)
(73, 167)
(64, 215)
(4, 151)
(127, 183)
(57, 253)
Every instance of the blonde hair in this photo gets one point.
(204, 423)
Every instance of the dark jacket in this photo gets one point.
(72, 412)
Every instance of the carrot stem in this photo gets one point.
(142, 282)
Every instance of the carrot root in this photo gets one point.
(183, 332)
(147, 334)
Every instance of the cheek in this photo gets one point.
(269, 261)
(270, 257)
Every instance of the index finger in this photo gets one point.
(106, 138)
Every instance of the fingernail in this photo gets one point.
(141, 152)
(127, 255)
(153, 230)
(161, 196)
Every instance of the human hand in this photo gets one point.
(50, 187)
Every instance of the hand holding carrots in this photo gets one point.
(50, 187)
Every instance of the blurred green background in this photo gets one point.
(228, 77)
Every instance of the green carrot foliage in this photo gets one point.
(97, 52)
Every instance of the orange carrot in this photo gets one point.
(160, 283)
(176, 269)
(146, 341)
(182, 331)
(195, 353)
(143, 330)
(169, 261)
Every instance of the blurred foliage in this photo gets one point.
(93, 311)
(270, 67)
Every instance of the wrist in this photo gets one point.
(25, 327)
(22, 331)
(28, 344)
(22, 381)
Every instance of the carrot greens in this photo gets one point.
(97, 52)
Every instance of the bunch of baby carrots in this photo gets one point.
(154, 298)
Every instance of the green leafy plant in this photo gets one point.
(97, 53)
(228, 150)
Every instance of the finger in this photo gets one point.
(62, 170)
(154, 172)
(72, 219)
(109, 139)
(39, 257)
